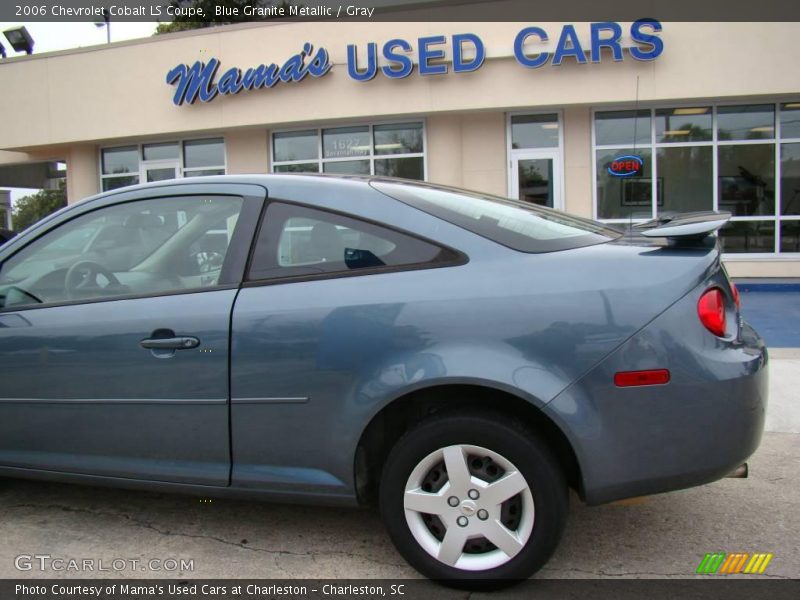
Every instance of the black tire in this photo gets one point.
(508, 438)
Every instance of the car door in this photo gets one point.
(309, 328)
(114, 335)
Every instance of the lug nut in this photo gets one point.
(462, 521)
(473, 494)
(452, 501)
(483, 514)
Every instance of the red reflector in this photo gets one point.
(711, 310)
(631, 378)
(737, 299)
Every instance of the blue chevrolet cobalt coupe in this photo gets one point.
(460, 360)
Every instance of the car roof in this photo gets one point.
(274, 179)
(251, 178)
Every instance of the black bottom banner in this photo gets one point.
(402, 589)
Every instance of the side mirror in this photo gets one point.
(17, 297)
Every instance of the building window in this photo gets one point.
(203, 157)
(619, 197)
(162, 151)
(741, 158)
(389, 149)
(622, 127)
(129, 165)
(119, 167)
(534, 131)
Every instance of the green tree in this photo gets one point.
(30, 209)
(183, 23)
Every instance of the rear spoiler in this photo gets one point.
(684, 225)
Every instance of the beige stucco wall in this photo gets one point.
(247, 151)
(763, 268)
(578, 181)
(10, 158)
(483, 155)
(82, 172)
(445, 146)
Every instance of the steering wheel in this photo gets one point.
(82, 277)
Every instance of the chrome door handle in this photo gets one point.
(186, 342)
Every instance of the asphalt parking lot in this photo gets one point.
(659, 536)
(662, 536)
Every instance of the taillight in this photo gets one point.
(737, 300)
(711, 310)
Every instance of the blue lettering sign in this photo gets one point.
(372, 62)
(607, 42)
(568, 45)
(198, 80)
(404, 64)
(519, 48)
(459, 65)
(654, 44)
(194, 81)
(426, 55)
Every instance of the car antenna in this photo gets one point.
(635, 124)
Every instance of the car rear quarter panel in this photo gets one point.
(314, 361)
(697, 428)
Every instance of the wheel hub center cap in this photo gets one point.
(468, 508)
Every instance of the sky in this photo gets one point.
(49, 37)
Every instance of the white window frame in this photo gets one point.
(523, 153)
(182, 171)
(776, 140)
(162, 163)
(371, 157)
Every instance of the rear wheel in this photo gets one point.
(475, 500)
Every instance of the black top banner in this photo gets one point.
(233, 11)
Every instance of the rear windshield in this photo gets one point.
(512, 223)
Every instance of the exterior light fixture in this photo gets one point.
(20, 39)
(107, 24)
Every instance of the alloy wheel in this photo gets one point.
(469, 507)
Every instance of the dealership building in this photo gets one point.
(615, 121)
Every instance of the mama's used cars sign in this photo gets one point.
(202, 80)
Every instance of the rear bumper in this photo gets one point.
(696, 429)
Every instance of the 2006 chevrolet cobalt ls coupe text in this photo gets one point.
(460, 359)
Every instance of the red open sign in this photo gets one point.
(628, 165)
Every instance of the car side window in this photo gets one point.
(300, 241)
(136, 248)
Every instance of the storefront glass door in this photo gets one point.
(535, 176)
